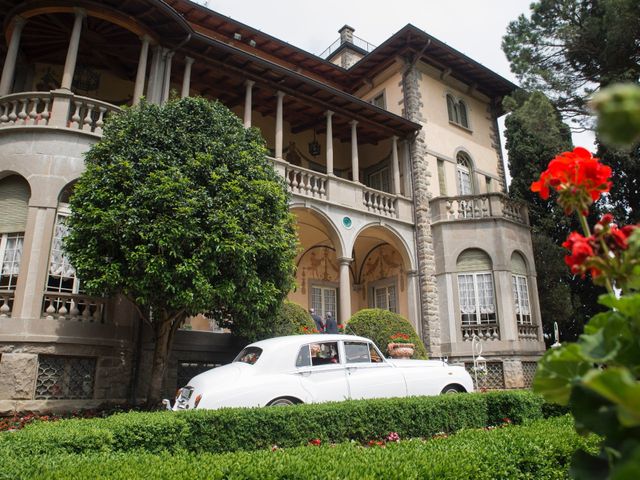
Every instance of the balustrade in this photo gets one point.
(27, 108)
(88, 114)
(6, 303)
(484, 332)
(478, 207)
(66, 306)
(378, 202)
(468, 207)
(527, 332)
(306, 182)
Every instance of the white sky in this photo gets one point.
(473, 27)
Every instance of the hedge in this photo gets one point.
(291, 320)
(541, 449)
(229, 430)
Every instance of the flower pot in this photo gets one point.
(401, 350)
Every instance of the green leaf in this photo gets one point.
(621, 388)
(558, 370)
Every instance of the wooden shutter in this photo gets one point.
(14, 201)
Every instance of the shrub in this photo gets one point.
(379, 325)
(229, 430)
(539, 450)
(291, 320)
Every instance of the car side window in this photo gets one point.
(357, 352)
(304, 358)
(324, 353)
(374, 353)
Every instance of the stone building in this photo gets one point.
(391, 154)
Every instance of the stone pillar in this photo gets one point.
(345, 290)
(406, 165)
(34, 263)
(166, 84)
(329, 114)
(155, 81)
(138, 89)
(395, 165)
(186, 79)
(12, 54)
(431, 328)
(355, 168)
(412, 300)
(72, 52)
(279, 121)
(247, 103)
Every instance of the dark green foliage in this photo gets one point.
(291, 320)
(249, 429)
(379, 325)
(540, 450)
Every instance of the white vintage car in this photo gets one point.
(313, 369)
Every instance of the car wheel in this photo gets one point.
(281, 402)
(452, 388)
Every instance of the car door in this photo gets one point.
(369, 375)
(322, 372)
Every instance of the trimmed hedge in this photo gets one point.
(542, 449)
(379, 325)
(229, 430)
(291, 320)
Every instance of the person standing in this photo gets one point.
(331, 326)
(317, 320)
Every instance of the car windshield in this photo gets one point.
(249, 355)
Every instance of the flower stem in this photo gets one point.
(585, 226)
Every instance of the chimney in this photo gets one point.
(346, 34)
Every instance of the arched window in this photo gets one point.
(463, 175)
(451, 108)
(520, 289)
(462, 114)
(475, 288)
(14, 200)
(62, 276)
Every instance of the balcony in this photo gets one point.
(478, 207)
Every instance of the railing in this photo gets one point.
(380, 203)
(57, 108)
(6, 303)
(484, 332)
(27, 108)
(527, 332)
(357, 41)
(478, 207)
(306, 182)
(67, 306)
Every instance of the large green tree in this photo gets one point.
(180, 211)
(571, 48)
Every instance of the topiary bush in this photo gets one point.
(379, 325)
(291, 320)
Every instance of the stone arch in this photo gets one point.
(323, 219)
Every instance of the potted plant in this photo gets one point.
(400, 346)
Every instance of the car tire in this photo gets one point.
(282, 402)
(452, 388)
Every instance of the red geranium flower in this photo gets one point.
(581, 249)
(578, 177)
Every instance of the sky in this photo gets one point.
(473, 27)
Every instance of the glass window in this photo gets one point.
(11, 245)
(465, 186)
(304, 357)
(385, 298)
(249, 355)
(379, 180)
(324, 353)
(462, 114)
(521, 299)
(477, 300)
(357, 352)
(374, 353)
(378, 100)
(451, 109)
(62, 276)
(323, 300)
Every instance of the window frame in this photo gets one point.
(464, 166)
(379, 96)
(63, 212)
(458, 111)
(17, 251)
(521, 292)
(324, 286)
(478, 314)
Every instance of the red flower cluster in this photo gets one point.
(400, 338)
(376, 443)
(578, 177)
(393, 437)
(316, 442)
(307, 330)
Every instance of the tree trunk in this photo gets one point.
(163, 332)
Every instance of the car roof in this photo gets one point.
(304, 339)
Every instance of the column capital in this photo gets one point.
(18, 21)
(146, 38)
(249, 83)
(280, 94)
(328, 113)
(345, 260)
(80, 12)
(395, 138)
(353, 123)
(169, 54)
(189, 60)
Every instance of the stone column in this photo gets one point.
(72, 52)
(34, 263)
(186, 79)
(12, 54)
(355, 168)
(138, 89)
(396, 165)
(279, 120)
(329, 114)
(247, 103)
(345, 290)
(412, 300)
(166, 84)
(406, 165)
(155, 82)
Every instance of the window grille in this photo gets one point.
(65, 378)
(491, 379)
(528, 372)
(188, 370)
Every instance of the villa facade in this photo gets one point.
(391, 154)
